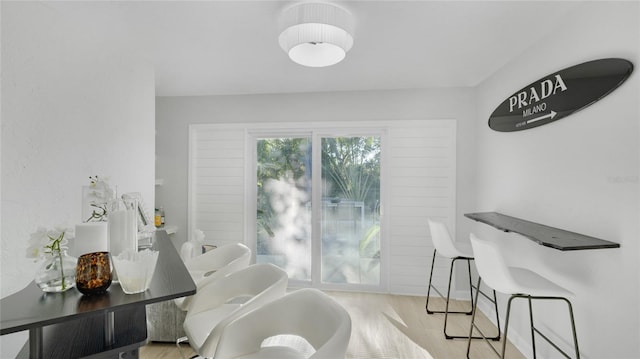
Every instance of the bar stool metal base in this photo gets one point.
(446, 312)
(534, 330)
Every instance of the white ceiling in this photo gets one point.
(231, 47)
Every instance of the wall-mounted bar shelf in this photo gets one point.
(547, 236)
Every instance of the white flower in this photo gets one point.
(37, 243)
(40, 242)
(98, 197)
(101, 189)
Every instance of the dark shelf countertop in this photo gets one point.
(545, 235)
(31, 307)
(82, 321)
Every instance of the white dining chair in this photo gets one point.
(221, 301)
(215, 264)
(445, 247)
(308, 314)
(518, 283)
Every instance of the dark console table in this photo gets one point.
(544, 235)
(111, 325)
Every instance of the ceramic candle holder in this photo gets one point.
(93, 273)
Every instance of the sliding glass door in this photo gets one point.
(283, 203)
(318, 207)
(350, 216)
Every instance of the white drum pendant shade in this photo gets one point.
(316, 34)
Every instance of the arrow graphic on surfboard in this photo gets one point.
(549, 115)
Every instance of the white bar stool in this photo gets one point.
(518, 283)
(445, 247)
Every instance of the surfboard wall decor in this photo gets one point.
(560, 94)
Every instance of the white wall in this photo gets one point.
(174, 114)
(579, 173)
(75, 104)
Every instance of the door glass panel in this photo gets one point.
(350, 227)
(283, 215)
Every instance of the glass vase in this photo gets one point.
(122, 229)
(57, 273)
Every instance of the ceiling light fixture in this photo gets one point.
(316, 34)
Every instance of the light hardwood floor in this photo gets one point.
(389, 327)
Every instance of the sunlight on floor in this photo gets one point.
(386, 326)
